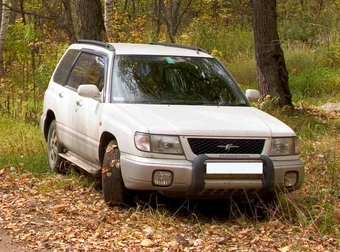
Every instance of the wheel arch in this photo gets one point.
(50, 116)
(105, 139)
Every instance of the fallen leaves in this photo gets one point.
(45, 217)
(59, 208)
(147, 243)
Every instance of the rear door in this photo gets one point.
(60, 96)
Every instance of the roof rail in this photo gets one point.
(181, 46)
(96, 42)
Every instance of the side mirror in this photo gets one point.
(252, 94)
(89, 91)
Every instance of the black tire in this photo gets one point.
(55, 162)
(114, 191)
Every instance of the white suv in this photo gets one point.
(164, 117)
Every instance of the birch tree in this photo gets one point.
(108, 16)
(4, 24)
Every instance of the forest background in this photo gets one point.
(38, 33)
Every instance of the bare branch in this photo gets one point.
(27, 12)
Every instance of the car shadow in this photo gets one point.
(226, 209)
(208, 210)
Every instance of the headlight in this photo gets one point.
(158, 143)
(285, 146)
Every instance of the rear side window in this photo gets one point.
(64, 68)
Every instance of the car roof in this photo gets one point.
(165, 49)
(125, 48)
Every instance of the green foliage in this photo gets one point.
(25, 163)
(126, 30)
(29, 64)
(244, 71)
(296, 29)
(19, 36)
(308, 31)
(229, 44)
(317, 82)
(22, 145)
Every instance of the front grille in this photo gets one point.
(219, 146)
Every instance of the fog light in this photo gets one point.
(162, 178)
(290, 179)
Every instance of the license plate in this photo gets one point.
(235, 168)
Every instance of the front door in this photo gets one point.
(85, 123)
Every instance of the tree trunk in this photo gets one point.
(4, 24)
(157, 16)
(108, 16)
(271, 71)
(63, 17)
(18, 5)
(90, 20)
(67, 22)
(172, 15)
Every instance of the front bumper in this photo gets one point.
(137, 172)
(190, 179)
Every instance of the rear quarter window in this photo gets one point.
(65, 66)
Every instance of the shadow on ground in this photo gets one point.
(208, 210)
(222, 209)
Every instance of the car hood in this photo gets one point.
(207, 120)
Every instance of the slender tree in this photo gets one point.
(172, 12)
(63, 16)
(108, 17)
(67, 22)
(157, 16)
(90, 20)
(18, 5)
(5, 13)
(4, 24)
(271, 71)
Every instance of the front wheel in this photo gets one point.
(114, 191)
(55, 161)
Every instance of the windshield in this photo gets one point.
(174, 80)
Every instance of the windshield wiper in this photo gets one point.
(194, 102)
(171, 102)
(233, 104)
(184, 102)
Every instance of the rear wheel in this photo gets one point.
(55, 161)
(114, 191)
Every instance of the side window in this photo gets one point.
(64, 67)
(89, 69)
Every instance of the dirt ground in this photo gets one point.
(7, 246)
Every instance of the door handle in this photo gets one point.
(79, 103)
(61, 95)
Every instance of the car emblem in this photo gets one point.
(228, 146)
